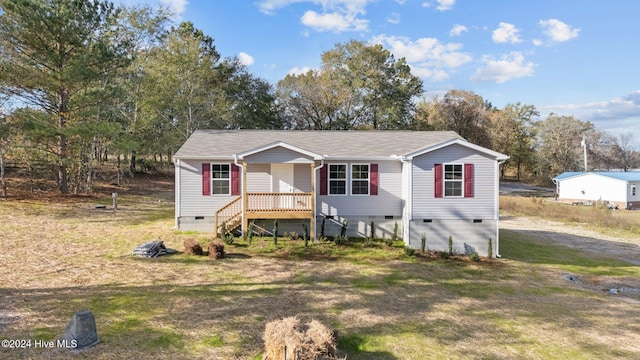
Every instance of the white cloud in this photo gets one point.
(336, 15)
(245, 59)
(176, 6)
(428, 57)
(457, 30)
(298, 70)
(506, 33)
(332, 22)
(618, 115)
(558, 31)
(443, 5)
(393, 18)
(508, 67)
(538, 42)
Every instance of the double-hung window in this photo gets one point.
(220, 179)
(359, 179)
(453, 180)
(337, 179)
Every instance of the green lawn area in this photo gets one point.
(59, 258)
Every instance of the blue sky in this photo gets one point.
(569, 57)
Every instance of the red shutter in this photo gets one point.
(323, 179)
(437, 170)
(235, 179)
(468, 180)
(206, 179)
(373, 181)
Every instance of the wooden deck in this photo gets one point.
(265, 206)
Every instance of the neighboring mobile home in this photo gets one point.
(427, 183)
(621, 189)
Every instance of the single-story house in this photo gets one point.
(431, 183)
(618, 188)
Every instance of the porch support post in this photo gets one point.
(245, 202)
(312, 221)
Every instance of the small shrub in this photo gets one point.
(341, 240)
(275, 232)
(322, 228)
(343, 230)
(228, 239)
(373, 230)
(423, 242)
(490, 250)
(394, 237)
(474, 256)
(388, 242)
(443, 255)
(305, 234)
(450, 245)
(369, 243)
(250, 233)
(223, 230)
(293, 235)
(409, 251)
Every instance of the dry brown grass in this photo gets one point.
(626, 222)
(59, 257)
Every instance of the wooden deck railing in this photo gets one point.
(279, 202)
(230, 213)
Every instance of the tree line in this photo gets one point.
(85, 82)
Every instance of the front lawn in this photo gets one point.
(59, 258)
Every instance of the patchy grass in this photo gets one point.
(62, 257)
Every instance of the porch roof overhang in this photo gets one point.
(310, 154)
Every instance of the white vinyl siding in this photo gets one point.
(426, 206)
(192, 202)
(388, 202)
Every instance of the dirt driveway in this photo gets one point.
(627, 249)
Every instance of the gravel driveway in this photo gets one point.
(627, 249)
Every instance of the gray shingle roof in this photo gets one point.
(364, 143)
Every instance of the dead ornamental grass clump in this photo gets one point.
(216, 249)
(191, 247)
(290, 339)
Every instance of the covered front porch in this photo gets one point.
(278, 182)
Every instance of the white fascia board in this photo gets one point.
(280, 144)
(478, 148)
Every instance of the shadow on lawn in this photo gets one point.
(383, 310)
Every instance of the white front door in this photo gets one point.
(282, 182)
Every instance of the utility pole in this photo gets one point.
(584, 148)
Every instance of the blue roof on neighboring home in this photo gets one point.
(619, 175)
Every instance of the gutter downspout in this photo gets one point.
(408, 210)
(177, 210)
(315, 197)
(497, 206)
(235, 161)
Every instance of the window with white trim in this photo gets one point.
(220, 179)
(359, 179)
(337, 179)
(453, 180)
